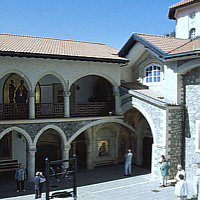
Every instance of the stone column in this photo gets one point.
(65, 154)
(117, 100)
(66, 95)
(31, 164)
(90, 161)
(31, 105)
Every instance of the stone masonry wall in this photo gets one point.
(68, 127)
(191, 82)
(157, 115)
(174, 138)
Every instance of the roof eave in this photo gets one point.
(180, 55)
(171, 13)
(136, 38)
(61, 57)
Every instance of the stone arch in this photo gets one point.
(20, 130)
(57, 75)
(130, 105)
(184, 68)
(109, 79)
(150, 61)
(56, 128)
(21, 74)
(119, 121)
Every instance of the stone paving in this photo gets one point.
(136, 187)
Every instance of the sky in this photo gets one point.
(110, 22)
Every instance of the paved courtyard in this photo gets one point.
(110, 185)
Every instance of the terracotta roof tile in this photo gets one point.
(164, 43)
(181, 3)
(187, 47)
(40, 45)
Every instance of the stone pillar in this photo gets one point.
(65, 154)
(31, 164)
(90, 148)
(117, 100)
(66, 95)
(31, 105)
(90, 161)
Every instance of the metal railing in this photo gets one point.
(14, 111)
(91, 109)
(52, 110)
(49, 110)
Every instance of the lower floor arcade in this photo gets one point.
(97, 142)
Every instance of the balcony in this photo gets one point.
(55, 110)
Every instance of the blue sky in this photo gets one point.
(106, 21)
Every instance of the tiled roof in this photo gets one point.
(164, 43)
(50, 46)
(183, 3)
(187, 47)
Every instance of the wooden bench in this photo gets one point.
(8, 165)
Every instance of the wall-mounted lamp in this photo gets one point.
(77, 87)
(19, 135)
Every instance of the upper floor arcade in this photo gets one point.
(46, 77)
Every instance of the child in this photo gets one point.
(181, 189)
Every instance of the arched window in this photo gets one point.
(192, 33)
(153, 73)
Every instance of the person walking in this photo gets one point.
(128, 161)
(164, 173)
(181, 188)
(39, 179)
(20, 177)
(196, 181)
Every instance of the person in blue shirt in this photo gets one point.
(39, 179)
(128, 161)
(164, 172)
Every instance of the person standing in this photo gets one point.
(42, 180)
(37, 185)
(20, 177)
(39, 179)
(164, 173)
(181, 189)
(196, 180)
(128, 161)
(180, 171)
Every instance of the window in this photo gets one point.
(153, 74)
(192, 15)
(192, 33)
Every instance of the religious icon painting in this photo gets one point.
(103, 148)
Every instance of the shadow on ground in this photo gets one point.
(84, 177)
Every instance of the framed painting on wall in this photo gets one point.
(103, 148)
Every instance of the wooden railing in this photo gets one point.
(91, 109)
(14, 111)
(49, 110)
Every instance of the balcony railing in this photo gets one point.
(52, 110)
(91, 109)
(49, 110)
(14, 111)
